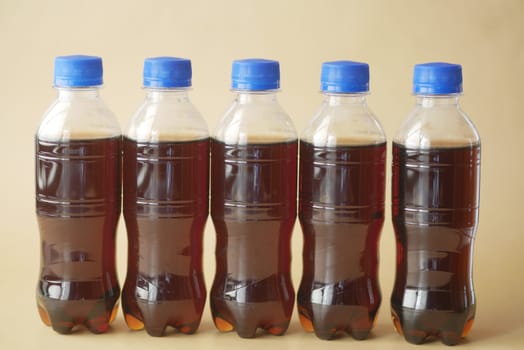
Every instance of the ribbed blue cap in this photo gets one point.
(437, 78)
(344, 77)
(255, 74)
(78, 71)
(167, 72)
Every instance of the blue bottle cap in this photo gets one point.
(344, 77)
(78, 71)
(437, 78)
(167, 72)
(255, 74)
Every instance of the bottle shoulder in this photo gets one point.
(77, 120)
(157, 121)
(353, 124)
(447, 126)
(255, 123)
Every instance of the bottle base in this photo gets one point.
(247, 318)
(155, 318)
(65, 315)
(328, 321)
(419, 326)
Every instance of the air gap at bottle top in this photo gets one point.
(253, 205)
(166, 162)
(78, 176)
(341, 206)
(435, 201)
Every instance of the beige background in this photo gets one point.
(486, 37)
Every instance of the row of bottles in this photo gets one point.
(253, 189)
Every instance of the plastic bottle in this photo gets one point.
(78, 150)
(435, 199)
(253, 205)
(166, 162)
(341, 206)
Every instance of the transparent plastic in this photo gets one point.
(78, 147)
(255, 117)
(166, 174)
(78, 114)
(253, 207)
(343, 119)
(435, 201)
(167, 115)
(437, 121)
(341, 211)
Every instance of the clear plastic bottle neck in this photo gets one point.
(168, 94)
(437, 121)
(264, 96)
(343, 119)
(70, 93)
(340, 99)
(430, 101)
(78, 113)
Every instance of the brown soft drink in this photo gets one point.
(341, 211)
(341, 206)
(166, 202)
(78, 205)
(435, 215)
(165, 209)
(435, 200)
(253, 207)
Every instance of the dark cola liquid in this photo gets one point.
(341, 211)
(77, 206)
(165, 210)
(253, 206)
(435, 214)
